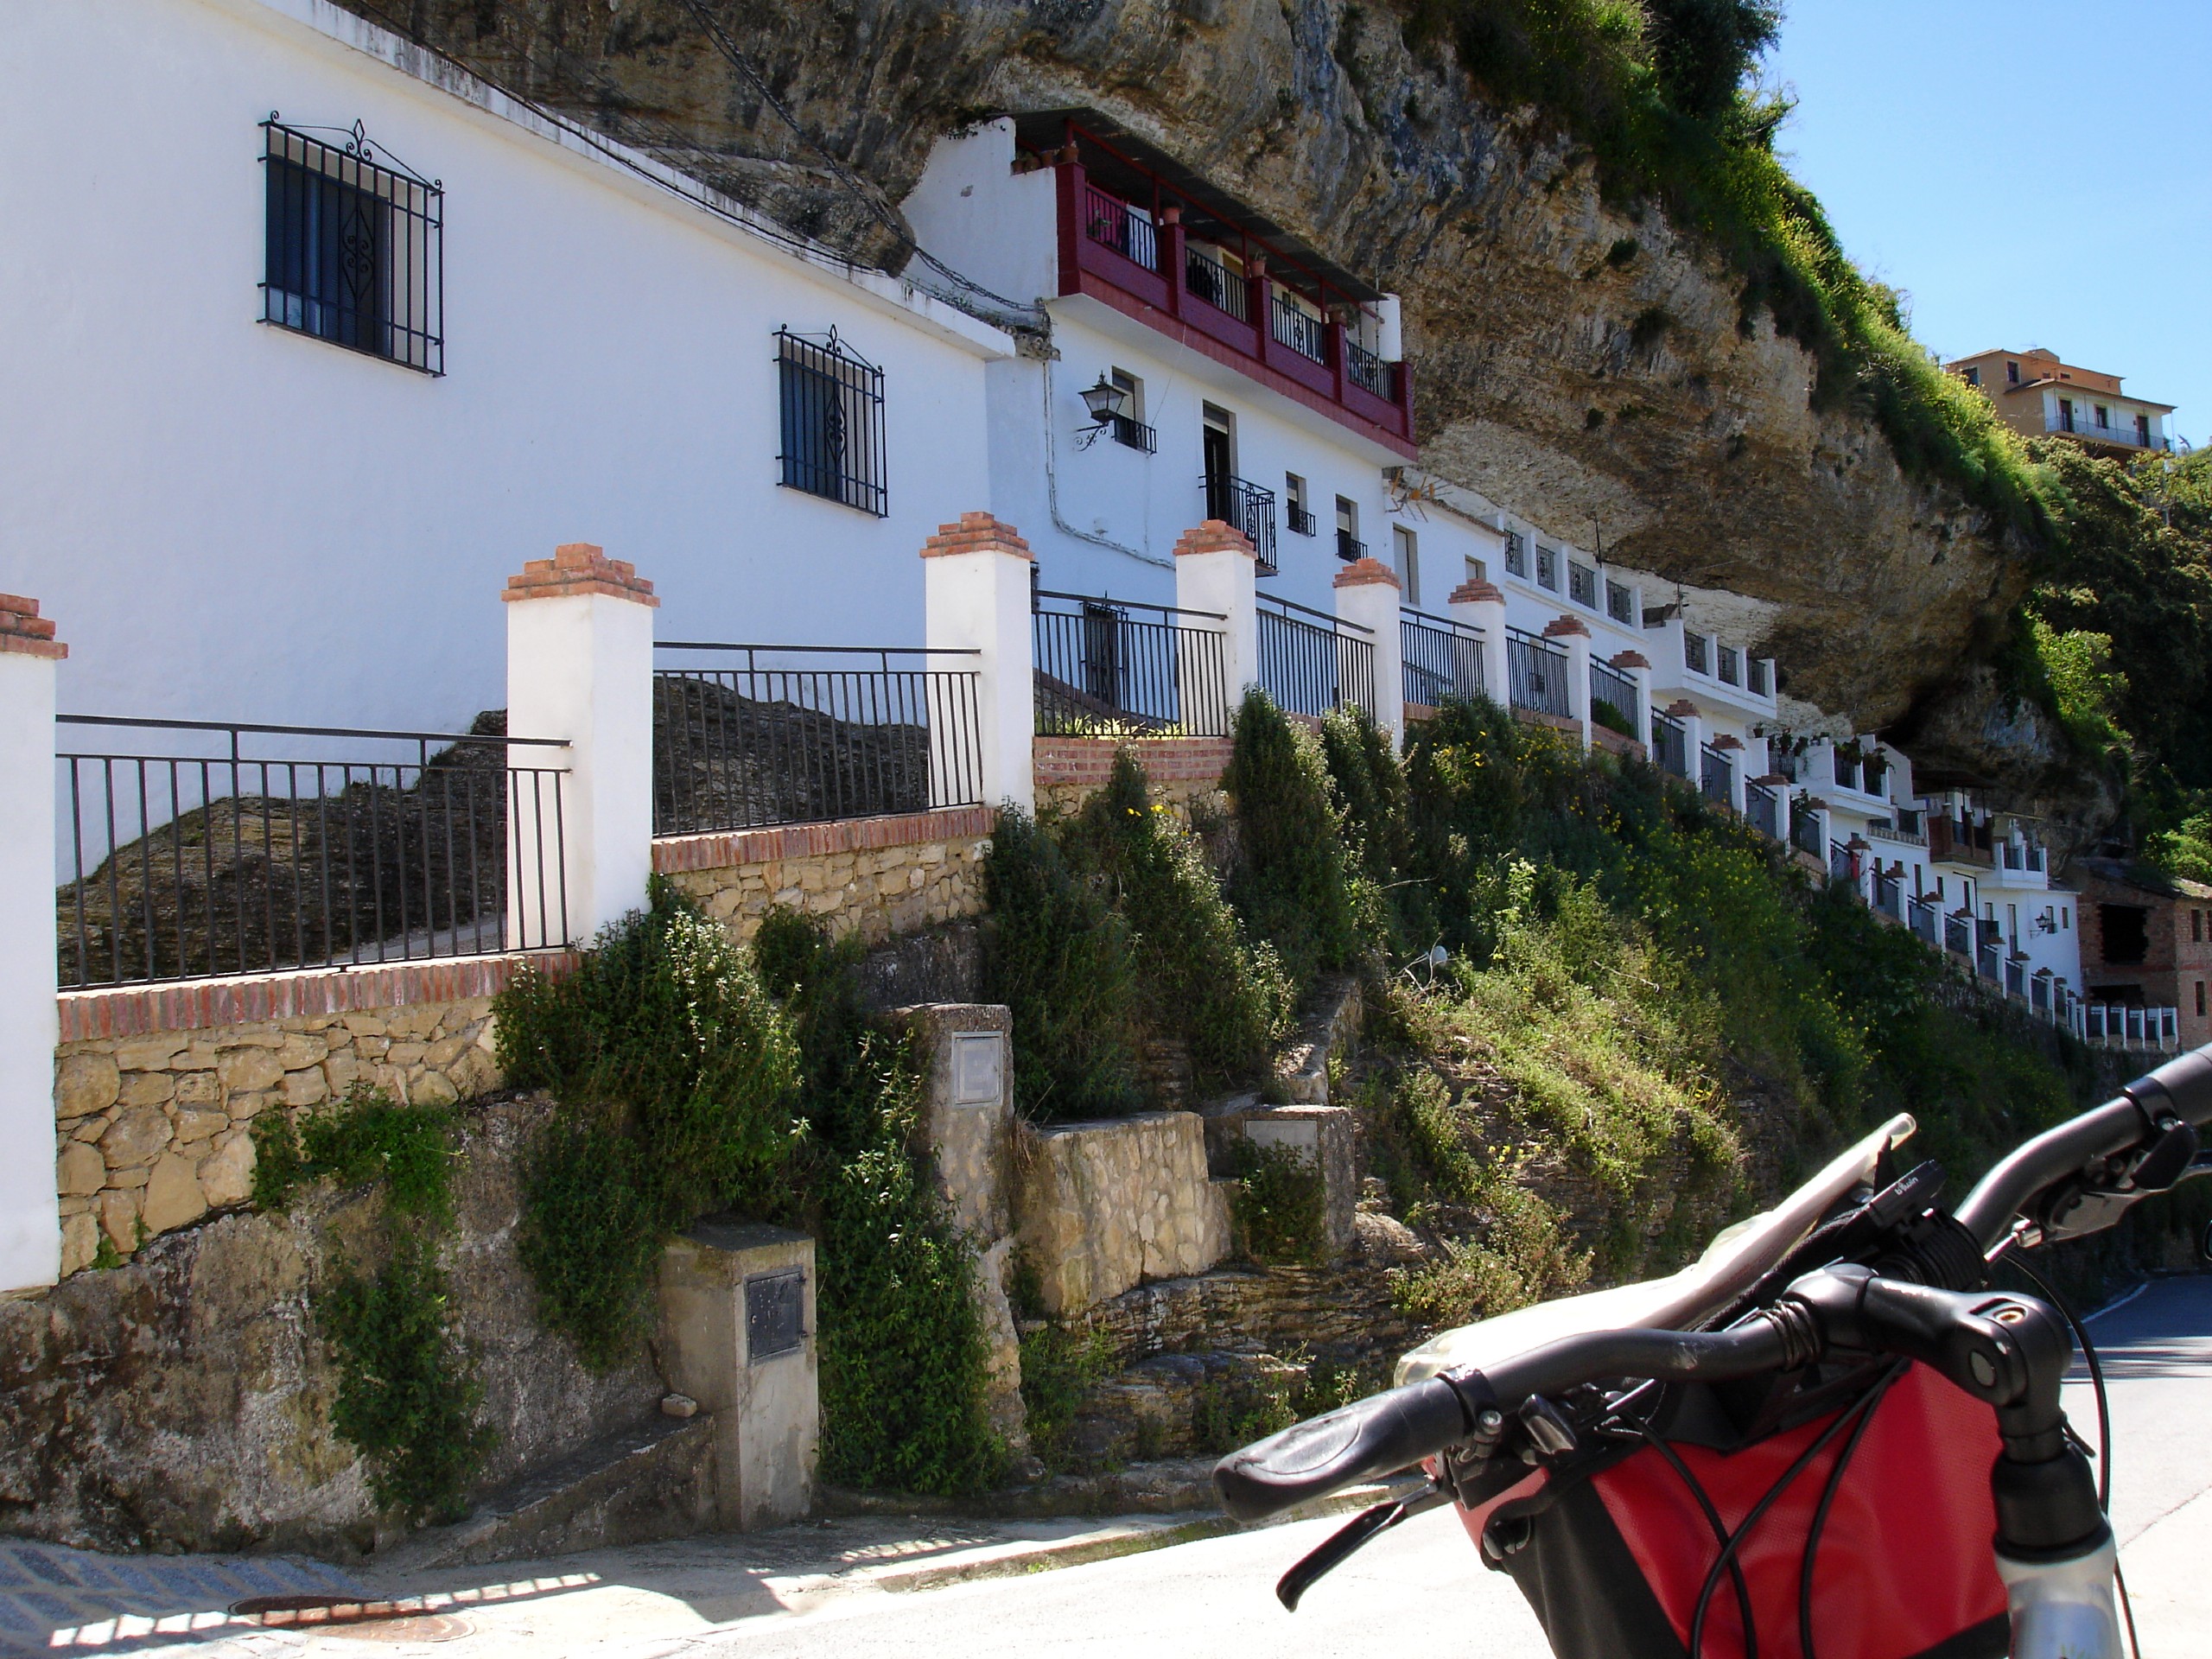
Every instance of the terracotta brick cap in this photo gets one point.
(1682, 709)
(578, 567)
(1769, 780)
(1856, 845)
(976, 532)
(1628, 659)
(1727, 740)
(24, 632)
(1214, 536)
(1476, 592)
(1364, 572)
(1814, 804)
(1560, 627)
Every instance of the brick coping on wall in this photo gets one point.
(204, 1004)
(673, 855)
(1090, 759)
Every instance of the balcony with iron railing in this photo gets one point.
(1536, 674)
(2080, 425)
(1613, 701)
(1215, 278)
(1312, 663)
(1245, 505)
(1952, 842)
(1443, 659)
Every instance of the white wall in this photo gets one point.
(230, 520)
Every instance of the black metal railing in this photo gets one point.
(1920, 918)
(1535, 673)
(1670, 746)
(761, 743)
(1889, 896)
(353, 250)
(1806, 833)
(1113, 223)
(1102, 673)
(1958, 935)
(358, 846)
(1349, 548)
(1716, 779)
(1311, 667)
(1302, 331)
(1365, 368)
(1218, 286)
(1763, 808)
(1245, 505)
(1613, 701)
(1300, 520)
(1443, 659)
(1840, 871)
(1133, 434)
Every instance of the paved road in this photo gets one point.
(1423, 1590)
(828, 1592)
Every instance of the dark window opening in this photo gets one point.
(832, 408)
(353, 247)
(2126, 933)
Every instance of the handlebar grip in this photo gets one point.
(2183, 1086)
(1378, 1435)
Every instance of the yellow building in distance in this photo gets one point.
(2038, 395)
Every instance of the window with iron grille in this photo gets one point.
(1546, 566)
(1731, 662)
(1582, 584)
(1755, 673)
(832, 405)
(1620, 602)
(353, 248)
(1516, 556)
(1694, 656)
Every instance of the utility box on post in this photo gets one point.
(737, 1334)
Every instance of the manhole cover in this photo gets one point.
(351, 1618)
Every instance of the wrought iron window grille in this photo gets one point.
(1133, 434)
(1582, 584)
(354, 245)
(1349, 548)
(1301, 519)
(1620, 603)
(1548, 568)
(831, 402)
(1245, 505)
(1516, 557)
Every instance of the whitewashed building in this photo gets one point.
(319, 338)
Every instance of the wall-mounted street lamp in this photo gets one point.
(1107, 403)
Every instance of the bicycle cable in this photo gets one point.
(1820, 1515)
(2011, 1256)
(1729, 1553)
(1652, 1438)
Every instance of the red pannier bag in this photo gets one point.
(1613, 1561)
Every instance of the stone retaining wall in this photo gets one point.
(156, 1088)
(1101, 1206)
(1181, 769)
(875, 876)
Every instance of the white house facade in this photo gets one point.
(319, 338)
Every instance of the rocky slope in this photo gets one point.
(1581, 362)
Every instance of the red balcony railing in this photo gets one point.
(1141, 260)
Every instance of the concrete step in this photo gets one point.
(656, 1481)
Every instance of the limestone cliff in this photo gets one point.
(1584, 363)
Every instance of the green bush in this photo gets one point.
(1293, 880)
(1280, 1209)
(1227, 998)
(405, 1394)
(1058, 957)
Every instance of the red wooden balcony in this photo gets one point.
(1139, 233)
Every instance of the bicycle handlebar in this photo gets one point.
(2181, 1088)
(1400, 1426)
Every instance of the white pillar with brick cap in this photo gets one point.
(1571, 635)
(1480, 605)
(30, 1209)
(580, 667)
(1693, 724)
(1366, 601)
(1638, 667)
(1216, 573)
(975, 598)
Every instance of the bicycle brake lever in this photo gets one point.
(1339, 1546)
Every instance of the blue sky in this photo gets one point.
(2031, 172)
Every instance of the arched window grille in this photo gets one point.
(354, 251)
(832, 406)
